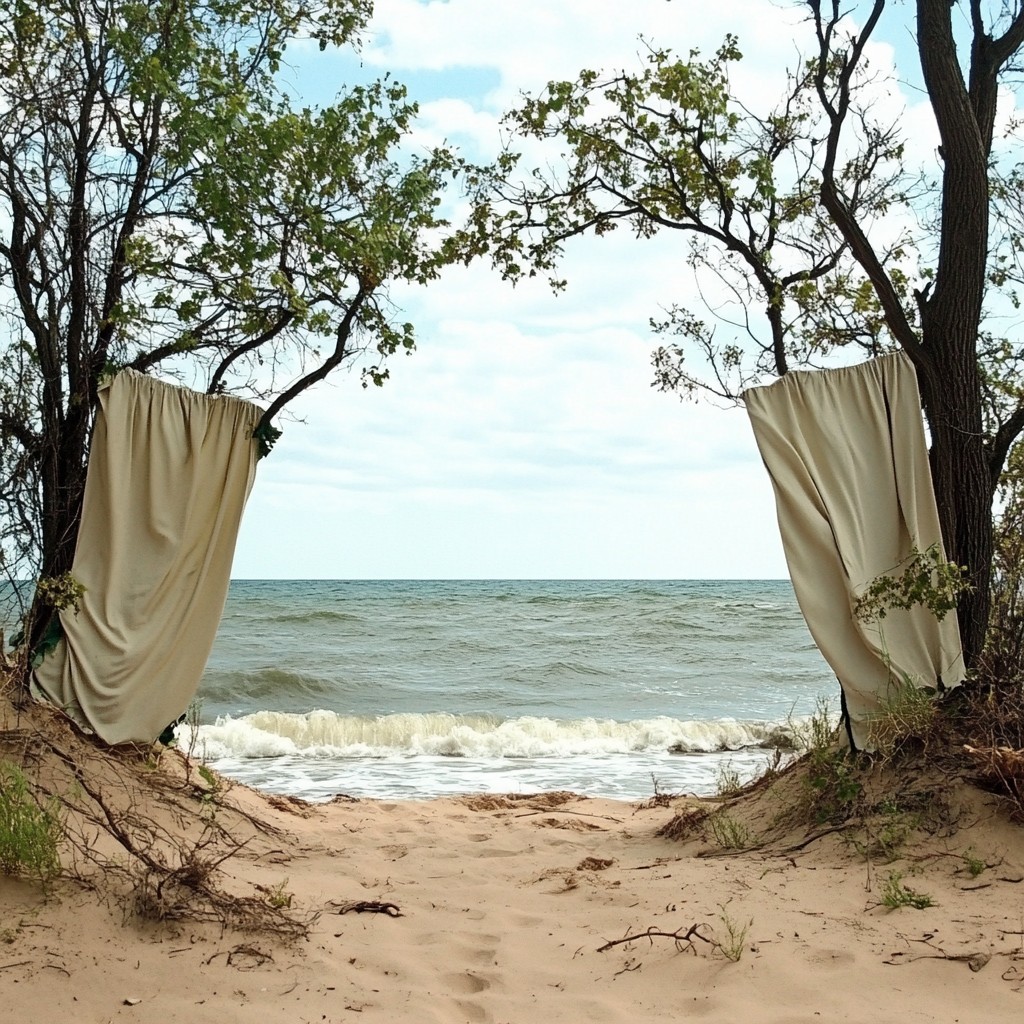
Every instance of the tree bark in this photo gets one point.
(950, 316)
(63, 492)
(962, 481)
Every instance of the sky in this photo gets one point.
(523, 438)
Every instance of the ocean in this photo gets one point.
(412, 689)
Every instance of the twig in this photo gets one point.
(813, 838)
(693, 932)
(627, 968)
(739, 852)
(975, 961)
(561, 810)
(368, 907)
(257, 955)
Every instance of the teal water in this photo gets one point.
(422, 688)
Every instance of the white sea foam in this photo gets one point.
(327, 734)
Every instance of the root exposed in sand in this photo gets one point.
(142, 826)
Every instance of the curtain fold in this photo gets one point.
(169, 473)
(846, 452)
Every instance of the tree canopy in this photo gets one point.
(809, 229)
(164, 204)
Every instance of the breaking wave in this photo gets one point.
(327, 734)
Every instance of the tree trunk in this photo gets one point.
(948, 359)
(63, 493)
(963, 483)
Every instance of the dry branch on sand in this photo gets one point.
(682, 938)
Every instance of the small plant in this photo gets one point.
(974, 865)
(889, 830)
(832, 788)
(908, 712)
(772, 767)
(727, 780)
(61, 592)
(885, 844)
(729, 833)
(277, 897)
(191, 721)
(58, 593)
(735, 940)
(816, 733)
(211, 794)
(210, 777)
(661, 798)
(30, 832)
(895, 894)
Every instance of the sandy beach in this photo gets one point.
(511, 909)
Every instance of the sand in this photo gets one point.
(504, 910)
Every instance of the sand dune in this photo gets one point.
(507, 910)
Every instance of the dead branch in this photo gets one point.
(255, 957)
(367, 907)
(803, 844)
(975, 961)
(683, 940)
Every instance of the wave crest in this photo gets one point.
(327, 734)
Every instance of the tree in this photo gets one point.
(811, 214)
(163, 204)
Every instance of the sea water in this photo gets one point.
(413, 689)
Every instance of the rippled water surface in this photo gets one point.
(419, 688)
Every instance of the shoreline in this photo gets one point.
(408, 777)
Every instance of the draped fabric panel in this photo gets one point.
(169, 474)
(847, 455)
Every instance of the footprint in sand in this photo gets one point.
(483, 945)
(474, 1014)
(467, 983)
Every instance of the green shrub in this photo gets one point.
(895, 894)
(728, 832)
(30, 832)
(727, 780)
(974, 865)
(735, 939)
(832, 787)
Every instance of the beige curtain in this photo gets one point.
(846, 452)
(169, 473)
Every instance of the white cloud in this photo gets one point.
(504, 450)
(533, 41)
(523, 438)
